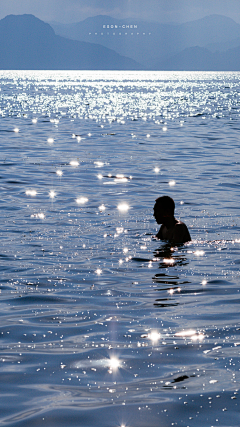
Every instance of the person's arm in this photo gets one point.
(180, 233)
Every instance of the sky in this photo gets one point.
(68, 11)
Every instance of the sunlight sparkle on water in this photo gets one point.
(100, 176)
(204, 282)
(98, 271)
(50, 140)
(52, 194)
(38, 215)
(169, 261)
(102, 208)
(154, 336)
(156, 169)
(114, 363)
(197, 337)
(123, 207)
(199, 253)
(120, 178)
(74, 163)
(99, 164)
(31, 193)
(187, 333)
(59, 172)
(119, 230)
(172, 183)
(81, 200)
(34, 121)
(16, 130)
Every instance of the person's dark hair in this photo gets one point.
(165, 202)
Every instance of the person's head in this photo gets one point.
(163, 209)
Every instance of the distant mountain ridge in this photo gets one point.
(29, 43)
(208, 44)
(154, 43)
(201, 59)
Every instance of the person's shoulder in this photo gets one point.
(181, 233)
(180, 224)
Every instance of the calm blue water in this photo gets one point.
(100, 323)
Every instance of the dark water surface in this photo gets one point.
(101, 324)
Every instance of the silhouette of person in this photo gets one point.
(173, 230)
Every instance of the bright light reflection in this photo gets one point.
(34, 121)
(16, 130)
(52, 194)
(125, 250)
(59, 172)
(164, 128)
(98, 271)
(114, 363)
(168, 261)
(172, 183)
(99, 164)
(50, 140)
(81, 200)
(31, 193)
(74, 163)
(199, 253)
(156, 169)
(171, 291)
(154, 336)
(119, 230)
(187, 333)
(204, 282)
(120, 178)
(39, 215)
(197, 337)
(101, 208)
(123, 207)
(100, 176)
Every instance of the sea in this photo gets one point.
(102, 324)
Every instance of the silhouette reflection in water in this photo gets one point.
(168, 257)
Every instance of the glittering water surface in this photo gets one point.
(101, 324)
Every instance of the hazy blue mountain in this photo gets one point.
(190, 59)
(201, 59)
(222, 47)
(29, 43)
(151, 42)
